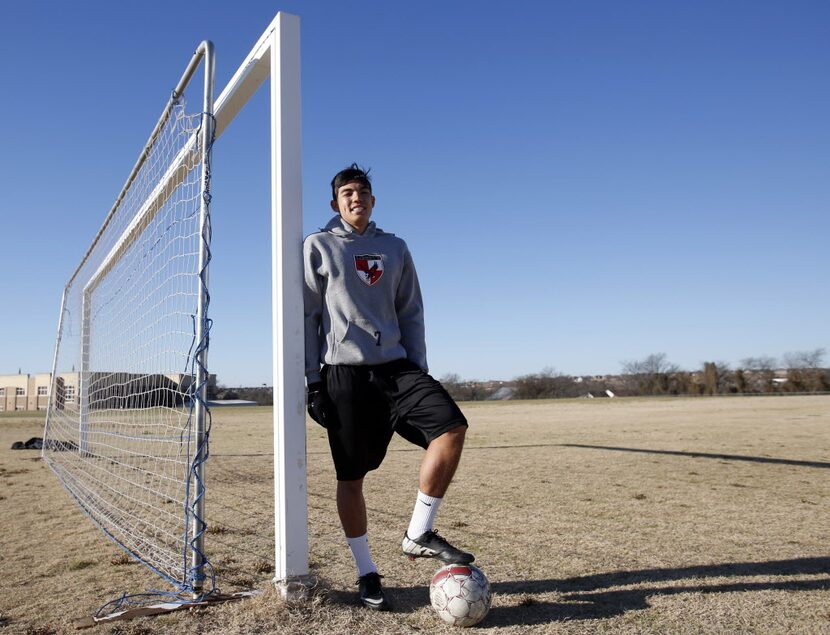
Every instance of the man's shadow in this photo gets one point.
(595, 596)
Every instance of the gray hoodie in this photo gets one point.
(362, 299)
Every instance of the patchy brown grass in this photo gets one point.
(588, 516)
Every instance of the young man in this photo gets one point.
(364, 323)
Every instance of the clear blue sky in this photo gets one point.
(581, 183)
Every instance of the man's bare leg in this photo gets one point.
(437, 470)
(351, 507)
(440, 462)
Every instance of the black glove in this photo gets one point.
(317, 403)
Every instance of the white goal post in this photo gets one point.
(127, 428)
(277, 55)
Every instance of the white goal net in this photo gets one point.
(127, 424)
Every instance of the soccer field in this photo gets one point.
(706, 515)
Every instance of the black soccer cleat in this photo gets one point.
(371, 592)
(431, 545)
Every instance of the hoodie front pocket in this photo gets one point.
(363, 341)
(361, 334)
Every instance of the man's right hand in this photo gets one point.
(317, 403)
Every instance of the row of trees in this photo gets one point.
(802, 371)
(262, 395)
(799, 371)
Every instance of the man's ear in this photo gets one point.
(334, 207)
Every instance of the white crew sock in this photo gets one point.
(362, 556)
(426, 507)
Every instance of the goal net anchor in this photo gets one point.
(161, 608)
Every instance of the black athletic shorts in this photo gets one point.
(369, 403)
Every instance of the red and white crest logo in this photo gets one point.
(369, 267)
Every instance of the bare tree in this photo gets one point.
(461, 390)
(548, 384)
(652, 375)
(727, 378)
(450, 381)
(654, 364)
(759, 363)
(804, 359)
(804, 372)
(759, 373)
(453, 385)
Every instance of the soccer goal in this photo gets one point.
(128, 422)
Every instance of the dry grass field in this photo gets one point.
(708, 515)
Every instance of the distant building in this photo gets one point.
(110, 390)
(31, 392)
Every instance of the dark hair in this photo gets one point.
(352, 174)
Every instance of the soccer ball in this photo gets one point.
(460, 594)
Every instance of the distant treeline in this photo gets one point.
(655, 375)
(262, 395)
(800, 372)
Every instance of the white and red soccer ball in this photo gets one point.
(460, 594)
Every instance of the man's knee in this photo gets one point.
(453, 438)
(350, 488)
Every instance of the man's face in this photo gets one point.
(354, 204)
